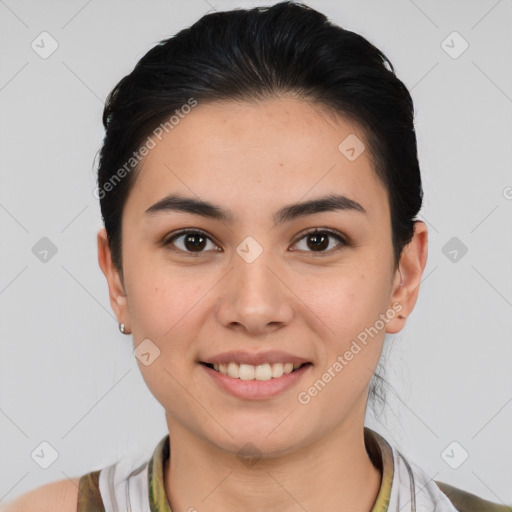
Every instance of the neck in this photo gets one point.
(198, 475)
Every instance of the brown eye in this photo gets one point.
(191, 241)
(319, 240)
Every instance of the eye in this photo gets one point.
(319, 240)
(193, 241)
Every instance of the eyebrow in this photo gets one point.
(178, 203)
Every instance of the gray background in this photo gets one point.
(68, 377)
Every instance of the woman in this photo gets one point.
(259, 185)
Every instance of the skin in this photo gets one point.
(252, 159)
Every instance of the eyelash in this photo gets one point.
(343, 242)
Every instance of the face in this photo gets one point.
(256, 286)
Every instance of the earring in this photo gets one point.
(122, 329)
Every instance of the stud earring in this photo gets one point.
(122, 329)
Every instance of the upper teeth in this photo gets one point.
(264, 371)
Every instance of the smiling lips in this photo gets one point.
(265, 371)
(260, 366)
(256, 382)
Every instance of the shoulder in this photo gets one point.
(58, 496)
(464, 501)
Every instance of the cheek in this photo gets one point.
(162, 298)
(348, 301)
(164, 309)
(349, 306)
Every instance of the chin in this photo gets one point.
(259, 437)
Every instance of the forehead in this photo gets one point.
(259, 156)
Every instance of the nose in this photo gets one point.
(254, 297)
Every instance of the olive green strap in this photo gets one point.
(464, 501)
(89, 496)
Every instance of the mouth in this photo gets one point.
(261, 372)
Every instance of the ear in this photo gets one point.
(118, 297)
(407, 279)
